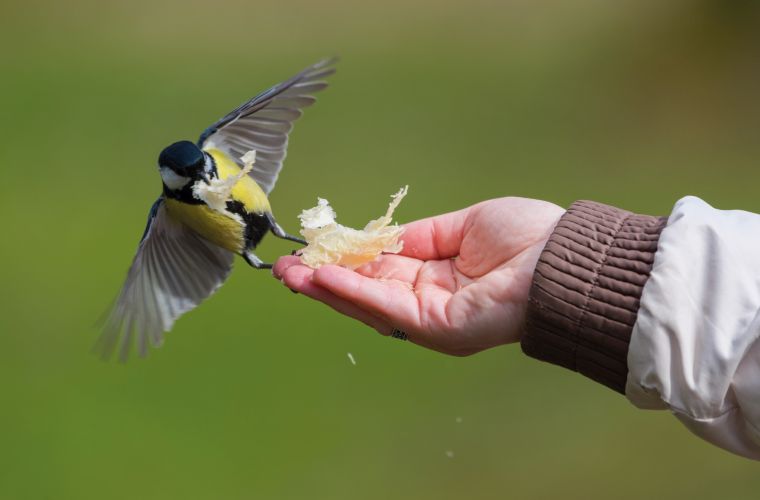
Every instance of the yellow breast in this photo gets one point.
(216, 227)
(224, 230)
(246, 190)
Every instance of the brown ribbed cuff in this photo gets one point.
(586, 290)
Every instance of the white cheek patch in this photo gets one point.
(173, 180)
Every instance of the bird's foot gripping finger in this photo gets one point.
(278, 231)
(254, 261)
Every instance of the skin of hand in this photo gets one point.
(459, 286)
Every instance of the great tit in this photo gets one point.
(188, 246)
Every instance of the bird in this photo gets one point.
(191, 237)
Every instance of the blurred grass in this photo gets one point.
(630, 103)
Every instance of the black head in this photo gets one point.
(184, 158)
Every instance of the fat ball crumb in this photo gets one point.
(218, 192)
(332, 243)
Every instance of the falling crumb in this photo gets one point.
(449, 454)
(332, 243)
(458, 420)
(351, 358)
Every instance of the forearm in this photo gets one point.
(664, 311)
(586, 289)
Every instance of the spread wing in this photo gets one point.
(173, 271)
(264, 122)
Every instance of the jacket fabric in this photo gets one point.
(663, 310)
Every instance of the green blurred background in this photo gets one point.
(633, 103)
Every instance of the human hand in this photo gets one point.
(460, 285)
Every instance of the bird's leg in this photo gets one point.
(254, 261)
(278, 231)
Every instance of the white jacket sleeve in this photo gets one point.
(694, 348)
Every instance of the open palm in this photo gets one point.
(460, 285)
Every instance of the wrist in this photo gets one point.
(585, 290)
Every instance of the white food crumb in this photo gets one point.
(319, 216)
(351, 358)
(218, 192)
(332, 243)
(449, 454)
(249, 158)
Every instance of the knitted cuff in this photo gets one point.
(586, 290)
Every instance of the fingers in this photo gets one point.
(298, 277)
(282, 265)
(392, 300)
(435, 238)
(396, 303)
(382, 304)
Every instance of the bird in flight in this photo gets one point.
(214, 204)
